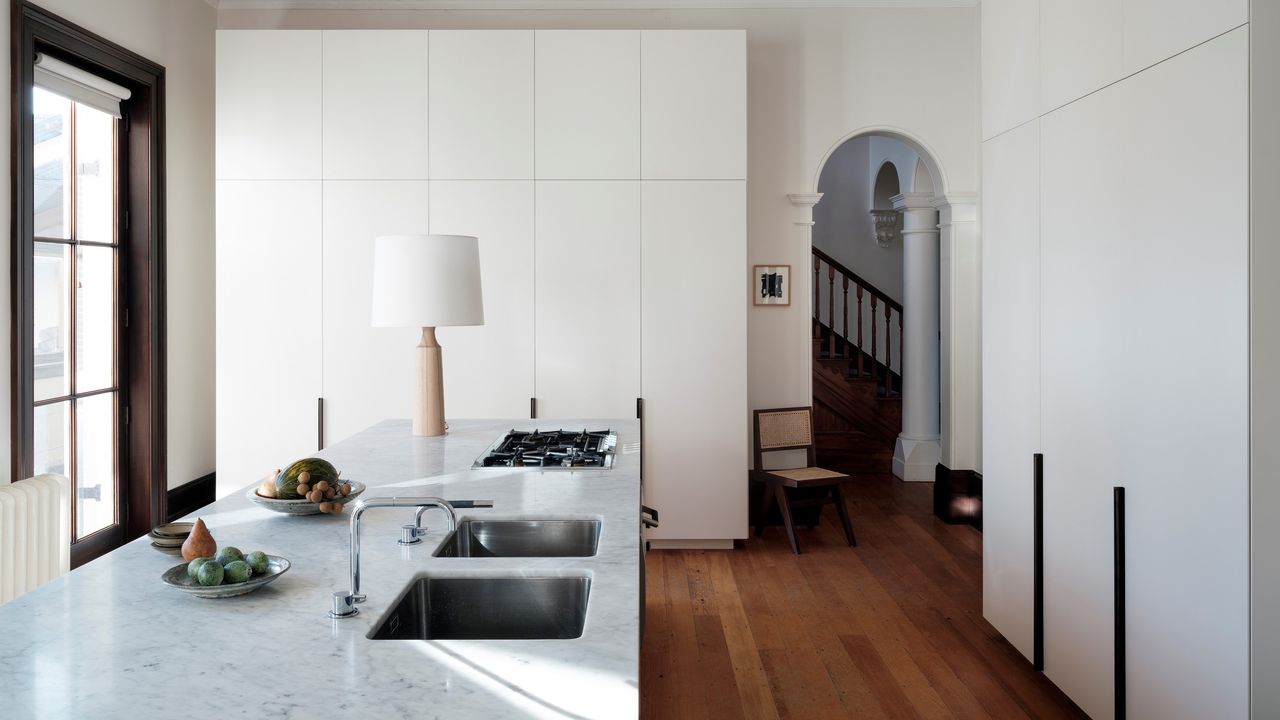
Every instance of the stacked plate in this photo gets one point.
(169, 537)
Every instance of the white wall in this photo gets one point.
(1264, 343)
(815, 77)
(178, 34)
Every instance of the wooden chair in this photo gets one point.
(792, 429)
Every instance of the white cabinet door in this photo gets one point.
(368, 371)
(693, 357)
(1010, 64)
(1011, 366)
(1080, 48)
(693, 107)
(481, 114)
(588, 298)
(375, 104)
(268, 326)
(1158, 29)
(588, 104)
(488, 369)
(1145, 260)
(268, 109)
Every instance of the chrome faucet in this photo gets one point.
(413, 533)
(344, 603)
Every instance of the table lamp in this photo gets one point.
(427, 281)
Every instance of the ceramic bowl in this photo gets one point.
(301, 506)
(177, 577)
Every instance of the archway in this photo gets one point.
(877, 311)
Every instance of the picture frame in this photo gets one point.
(771, 285)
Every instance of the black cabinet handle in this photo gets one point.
(319, 423)
(1037, 562)
(648, 516)
(1117, 499)
(533, 408)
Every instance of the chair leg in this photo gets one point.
(781, 494)
(766, 504)
(844, 515)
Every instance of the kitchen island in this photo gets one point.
(110, 640)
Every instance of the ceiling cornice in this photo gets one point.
(577, 4)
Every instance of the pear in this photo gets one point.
(199, 543)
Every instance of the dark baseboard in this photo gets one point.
(957, 496)
(191, 496)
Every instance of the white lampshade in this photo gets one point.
(426, 281)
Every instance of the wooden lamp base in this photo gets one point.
(428, 407)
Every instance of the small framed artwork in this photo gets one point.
(772, 284)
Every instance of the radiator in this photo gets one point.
(35, 533)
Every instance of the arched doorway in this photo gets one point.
(876, 297)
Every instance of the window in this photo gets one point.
(88, 277)
(76, 399)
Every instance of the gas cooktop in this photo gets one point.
(551, 450)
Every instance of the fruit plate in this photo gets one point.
(177, 577)
(301, 506)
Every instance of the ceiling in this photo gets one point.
(571, 4)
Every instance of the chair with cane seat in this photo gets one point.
(792, 429)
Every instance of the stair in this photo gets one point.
(857, 415)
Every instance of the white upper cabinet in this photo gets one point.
(481, 104)
(488, 369)
(588, 104)
(375, 104)
(693, 350)
(382, 359)
(268, 109)
(693, 104)
(1010, 352)
(1080, 48)
(268, 326)
(1010, 64)
(588, 298)
(1158, 29)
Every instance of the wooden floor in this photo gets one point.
(892, 628)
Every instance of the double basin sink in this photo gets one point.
(508, 607)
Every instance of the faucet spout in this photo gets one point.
(346, 608)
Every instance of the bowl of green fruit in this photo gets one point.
(227, 574)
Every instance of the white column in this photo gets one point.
(961, 350)
(919, 447)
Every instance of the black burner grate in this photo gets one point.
(551, 448)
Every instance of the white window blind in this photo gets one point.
(79, 85)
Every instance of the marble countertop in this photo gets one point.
(110, 640)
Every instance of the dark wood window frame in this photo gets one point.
(141, 325)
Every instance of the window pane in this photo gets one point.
(52, 438)
(95, 317)
(52, 164)
(51, 307)
(95, 175)
(95, 463)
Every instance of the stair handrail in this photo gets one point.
(855, 277)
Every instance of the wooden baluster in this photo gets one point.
(831, 312)
(901, 357)
(888, 351)
(817, 288)
(845, 305)
(873, 338)
(859, 331)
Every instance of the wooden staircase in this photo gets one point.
(857, 397)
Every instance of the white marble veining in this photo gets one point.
(110, 640)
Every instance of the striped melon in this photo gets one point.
(318, 469)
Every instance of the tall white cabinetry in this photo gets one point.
(604, 173)
(1115, 242)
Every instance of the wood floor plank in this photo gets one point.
(891, 628)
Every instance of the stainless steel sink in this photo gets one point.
(522, 538)
(487, 608)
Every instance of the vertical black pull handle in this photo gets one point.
(640, 417)
(1037, 545)
(1118, 544)
(533, 408)
(319, 423)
